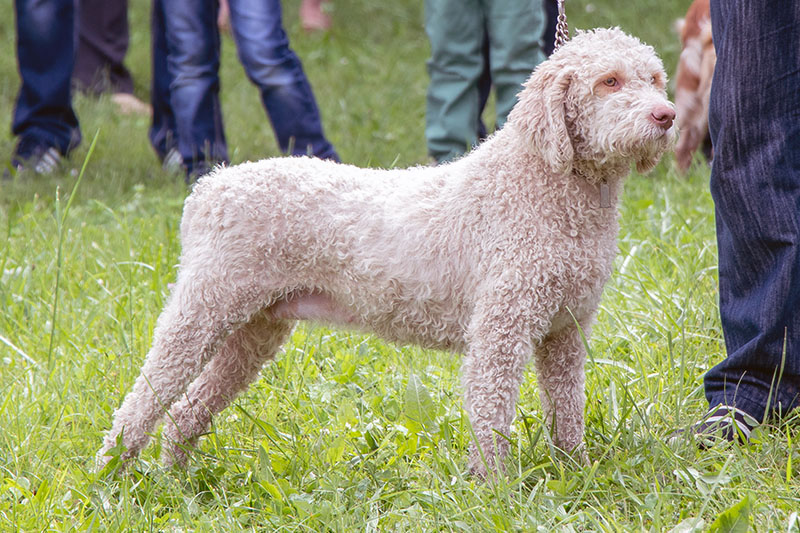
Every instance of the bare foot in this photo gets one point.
(224, 17)
(128, 104)
(312, 17)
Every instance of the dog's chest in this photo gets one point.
(581, 279)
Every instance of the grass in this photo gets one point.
(328, 439)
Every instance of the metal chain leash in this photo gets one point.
(562, 30)
(562, 36)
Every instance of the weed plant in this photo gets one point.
(344, 432)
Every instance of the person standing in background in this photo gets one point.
(467, 37)
(44, 121)
(102, 45)
(187, 116)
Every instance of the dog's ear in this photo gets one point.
(540, 115)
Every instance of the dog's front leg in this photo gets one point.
(559, 364)
(499, 347)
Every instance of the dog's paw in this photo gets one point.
(486, 467)
(174, 455)
(112, 456)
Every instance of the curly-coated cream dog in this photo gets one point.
(496, 255)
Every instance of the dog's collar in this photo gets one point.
(602, 184)
(605, 195)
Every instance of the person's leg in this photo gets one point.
(551, 20)
(456, 32)
(192, 39)
(515, 48)
(102, 45)
(43, 114)
(163, 130)
(755, 183)
(275, 69)
(484, 87)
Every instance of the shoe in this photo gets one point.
(200, 169)
(173, 162)
(723, 423)
(40, 159)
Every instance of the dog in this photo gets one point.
(693, 83)
(500, 256)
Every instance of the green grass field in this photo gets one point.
(327, 439)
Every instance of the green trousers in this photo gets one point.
(456, 30)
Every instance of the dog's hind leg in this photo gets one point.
(232, 369)
(202, 310)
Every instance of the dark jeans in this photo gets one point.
(164, 130)
(102, 45)
(754, 119)
(43, 114)
(186, 30)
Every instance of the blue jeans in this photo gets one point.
(163, 131)
(754, 119)
(46, 41)
(186, 30)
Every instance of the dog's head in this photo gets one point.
(600, 97)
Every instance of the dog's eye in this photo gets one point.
(610, 82)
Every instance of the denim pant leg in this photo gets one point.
(163, 130)
(755, 182)
(275, 69)
(103, 39)
(46, 40)
(193, 63)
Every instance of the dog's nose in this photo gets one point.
(663, 116)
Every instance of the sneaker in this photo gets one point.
(200, 169)
(722, 423)
(173, 162)
(41, 160)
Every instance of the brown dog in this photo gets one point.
(693, 83)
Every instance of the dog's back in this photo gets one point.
(396, 249)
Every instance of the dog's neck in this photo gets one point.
(596, 171)
(604, 181)
(601, 182)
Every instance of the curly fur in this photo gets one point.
(490, 256)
